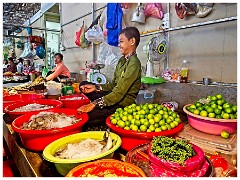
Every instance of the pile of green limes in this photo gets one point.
(214, 107)
(145, 118)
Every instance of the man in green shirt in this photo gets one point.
(123, 89)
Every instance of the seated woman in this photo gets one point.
(60, 71)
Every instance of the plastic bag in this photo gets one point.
(95, 34)
(77, 40)
(80, 40)
(154, 10)
(40, 52)
(27, 51)
(195, 166)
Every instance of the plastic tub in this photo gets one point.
(211, 125)
(72, 102)
(100, 168)
(63, 166)
(13, 115)
(37, 140)
(131, 139)
(11, 99)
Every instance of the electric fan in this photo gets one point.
(156, 51)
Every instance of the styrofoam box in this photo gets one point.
(145, 96)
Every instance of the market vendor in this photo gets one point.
(12, 66)
(60, 71)
(123, 89)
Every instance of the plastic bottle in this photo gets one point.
(184, 72)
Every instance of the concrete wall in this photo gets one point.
(211, 50)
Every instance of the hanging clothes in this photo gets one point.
(114, 22)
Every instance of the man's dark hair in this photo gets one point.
(60, 55)
(131, 32)
(20, 59)
(10, 59)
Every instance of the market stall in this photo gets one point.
(182, 122)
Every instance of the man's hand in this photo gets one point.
(88, 88)
(86, 108)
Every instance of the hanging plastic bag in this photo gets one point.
(95, 34)
(40, 52)
(83, 41)
(28, 52)
(154, 10)
(77, 40)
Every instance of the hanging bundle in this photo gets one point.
(80, 40)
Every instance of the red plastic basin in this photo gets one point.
(69, 102)
(131, 139)
(211, 125)
(11, 99)
(13, 115)
(37, 140)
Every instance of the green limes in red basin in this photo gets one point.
(145, 118)
(214, 106)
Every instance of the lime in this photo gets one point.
(232, 116)
(198, 104)
(218, 116)
(200, 108)
(191, 110)
(211, 115)
(165, 116)
(214, 106)
(220, 107)
(137, 122)
(164, 127)
(165, 109)
(143, 128)
(124, 118)
(225, 134)
(134, 128)
(126, 128)
(142, 121)
(151, 121)
(130, 117)
(150, 116)
(121, 124)
(193, 106)
(152, 111)
(220, 102)
(234, 108)
(196, 111)
(226, 116)
(148, 130)
(142, 111)
(127, 123)
(156, 125)
(203, 113)
(161, 112)
(209, 109)
(213, 98)
(129, 111)
(172, 124)
(114, 121)
(150, 106)
(176, 123)
(151, 127)
(228, 110)
(226, 105)
(168, 120)
(158, 129)
(162, 122)
(156, 119)
(213, 102)
(219, 96)
(178, 120)
(146, 123)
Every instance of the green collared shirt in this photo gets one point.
(126, 82)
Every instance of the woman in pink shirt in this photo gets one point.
(60, 71)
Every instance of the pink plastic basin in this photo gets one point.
(211, 125)
(37, 140)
